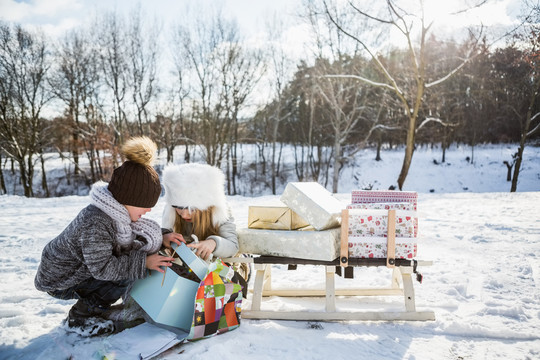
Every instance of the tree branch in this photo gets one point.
(368, 81)
(437, 120)
(536, 128)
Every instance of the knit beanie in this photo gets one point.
(195, 186)
(136, 183)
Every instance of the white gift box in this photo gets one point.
(314, 204)
(314, 245)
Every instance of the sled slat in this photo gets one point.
(339, 316)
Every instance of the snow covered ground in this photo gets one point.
(484, 285)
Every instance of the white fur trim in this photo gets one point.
(169, 215)
(194, 185)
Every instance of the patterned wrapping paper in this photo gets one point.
(376, 247)
(404, 202)
(218, 304)
(383, 206)
(372, 220)
(314, 245)
(384, 196)
(314, 204)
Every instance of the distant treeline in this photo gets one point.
(83, 95)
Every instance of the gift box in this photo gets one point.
(384, 196)
(313, 203)
(169, 299)
(315, 245)
(383, 206)
(367, 221)
(274, 218)
(367, 236)
(376, 247)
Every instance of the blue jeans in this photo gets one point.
(94, 292)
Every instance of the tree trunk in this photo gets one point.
(379, 145)
(409, 149)
(27, 188)
(337, 162)
(3, 189)
(44, 185)
(75, 151)
(523, 139)
(509, 170)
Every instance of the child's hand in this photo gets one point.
(172, 237)
(204, 248)
(154, 261)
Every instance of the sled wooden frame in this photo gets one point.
(401, 283)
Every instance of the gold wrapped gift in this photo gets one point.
(274, 218)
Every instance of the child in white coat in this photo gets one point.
(196, 205)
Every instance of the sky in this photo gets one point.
(57, 16)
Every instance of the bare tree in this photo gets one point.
(279, 69)
(23, 66)
(346, 101)
(142, 52)
(75, 81)
(114, 65)
(240, 70)
(197, 42)
(306, 127)
(405, 22)
(3, 189)
(172, 127)
(221, 75)
(532, 116)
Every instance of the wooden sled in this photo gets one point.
(401, 284)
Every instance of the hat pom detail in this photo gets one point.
(141, 150)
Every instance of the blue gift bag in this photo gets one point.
(170, 300)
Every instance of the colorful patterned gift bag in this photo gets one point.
(218, 303)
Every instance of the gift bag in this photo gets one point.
(218, 303)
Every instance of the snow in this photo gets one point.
(484, 285)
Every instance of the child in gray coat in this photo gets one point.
(109, 244)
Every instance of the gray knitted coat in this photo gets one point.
(85, 249)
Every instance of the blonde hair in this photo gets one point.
(203, 226)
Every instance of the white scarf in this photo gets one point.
(127, 230)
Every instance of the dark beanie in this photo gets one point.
(136, 183)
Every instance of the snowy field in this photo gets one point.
(484, 285)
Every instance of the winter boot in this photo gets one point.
(79, 313)
(127, 316)
(91, 320)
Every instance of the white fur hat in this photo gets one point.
(197, 186)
